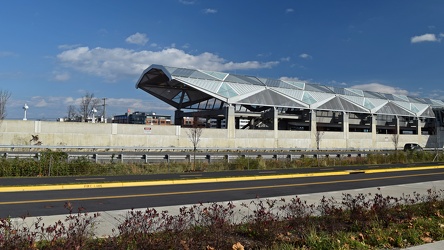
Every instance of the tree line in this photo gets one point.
(89, 105)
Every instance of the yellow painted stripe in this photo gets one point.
(209, 190)
(372, 171)
(202, 180)
(159, 183)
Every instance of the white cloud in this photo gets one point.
(39, 102)
(377, 87)
(424, 38)
(61, 76)
(210, 11)
(117, 62)
(138, 38)
(305, 56)
(289, 10)
(291, 79)
(189, 2)
(285, 59)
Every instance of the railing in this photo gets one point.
(168, 154)
(6, 148)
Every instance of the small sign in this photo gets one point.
(147, 130)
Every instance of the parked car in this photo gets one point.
(412, 147)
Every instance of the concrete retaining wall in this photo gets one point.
(18, 132)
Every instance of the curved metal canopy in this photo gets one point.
(185, 88)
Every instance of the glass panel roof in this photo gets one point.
(401, 98)
(414, 108)
(317, 87)
(373, 95)
(416, 100)
(226, 90)
(307, 98)
(293, 93)
(183, 72)
(200, 75)
(243, 79)
(357, 92)
(218, 75)
(349, 106)
(276, 83)
(167, 83)
(368, 104)
(355, 99)
(337, 90)
(210, 85)
(299, 85)
(244, 88)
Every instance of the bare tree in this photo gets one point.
(88, 103)
(4, 96)
(71, 113)
(318, 138)
(194, 133)
(395, 140)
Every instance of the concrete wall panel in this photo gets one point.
(18, 132)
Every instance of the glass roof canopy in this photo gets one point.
(185, 88)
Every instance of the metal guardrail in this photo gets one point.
(180, 157)
(171, 154)
(167, 149)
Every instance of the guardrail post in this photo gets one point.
(227, 158)
(38, 156)
(145, 157)
(188, 158)
(290, 157)
(275, 156)
(208, 158)
(121, 158)
(95, 156)
(6, 155)
(167, 158)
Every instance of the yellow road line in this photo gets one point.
(159, 183)
(202, 180)
(209, 190)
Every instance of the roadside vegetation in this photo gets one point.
(56, 163)
(364, 221)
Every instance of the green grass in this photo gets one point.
(54, 163)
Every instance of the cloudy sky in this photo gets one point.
(54, 52)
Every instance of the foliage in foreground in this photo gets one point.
(364, 221)
(55, 163)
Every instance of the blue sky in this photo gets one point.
(54, 52)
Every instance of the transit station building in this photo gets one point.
(287, 108)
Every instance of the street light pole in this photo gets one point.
(104, 109)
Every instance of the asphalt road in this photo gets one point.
(110, 193)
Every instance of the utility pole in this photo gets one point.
(104, 109)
